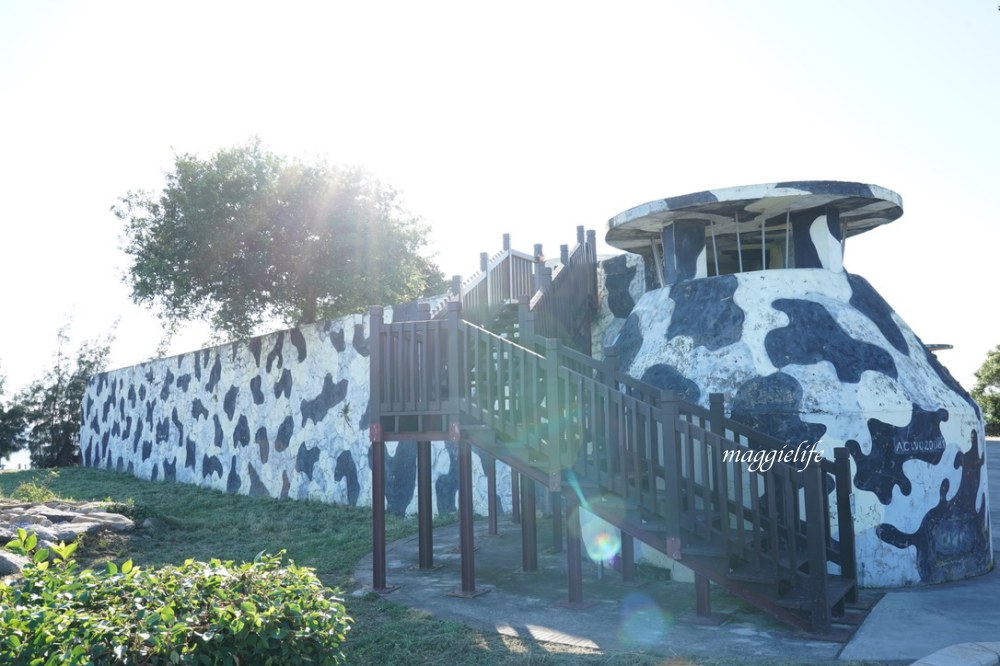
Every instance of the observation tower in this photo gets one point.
(754, 303)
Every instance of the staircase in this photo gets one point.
(661, 470)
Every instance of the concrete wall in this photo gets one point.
(818, 356)
(281, 415)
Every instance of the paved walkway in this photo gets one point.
(657, 615)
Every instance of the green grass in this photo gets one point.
(193, 522)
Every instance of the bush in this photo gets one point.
(263, 612)
(37, 489)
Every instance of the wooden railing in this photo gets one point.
(562, 300)
(562, 310)
(587, 428)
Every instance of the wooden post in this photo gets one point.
(378, 450)
(456, 286)
(467, 548)
(628, 557)
(579, 234)
(452, 355)
(529, 527)
(564, 254)
(555, 503)
(425, 510)
(672, 474)
(815, 502)
(592, 260)
(375, 382)
(515, 497)
(554, 434)
(378, 515)
(506, 242)
(491, 492)
(539, 268)
(845, 519)
(525, 323)
(574, 551)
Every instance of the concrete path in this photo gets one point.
(657, 615)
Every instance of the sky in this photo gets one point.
(528, 118)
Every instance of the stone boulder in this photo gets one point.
(53, 522)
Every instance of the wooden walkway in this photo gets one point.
(669, 473)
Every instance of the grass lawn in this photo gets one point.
(193, 522)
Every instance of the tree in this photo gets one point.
(248, 236)
(52, 405)
(987, 391)
(12, 427)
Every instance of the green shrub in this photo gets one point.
(36, 490)
(263, 612)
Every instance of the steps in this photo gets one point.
(634, 455)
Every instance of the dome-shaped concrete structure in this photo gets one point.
(756, 305)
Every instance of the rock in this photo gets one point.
(11, 563)
(52, 514)
(68, 532)
(26, 519)
(115, 521)
(54, 522)
(94, 506)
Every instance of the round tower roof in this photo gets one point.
(862, 207)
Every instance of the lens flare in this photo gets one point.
(602, 541)
(643, 622)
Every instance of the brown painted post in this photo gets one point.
(574, 551)
(508, 293)
(452, 356)
(672, 474)
(609, 375)
(628, 557)
(555, 502)
(425, 507)
(592, 260)
(484, 264)
(465, 518)
(529, 527)
(815, 488)
(525, 322)
(515, 497)
(539, 268)
(375, 368)
(491, 492)
(378, 450)
(702, 593)
(557, 457)
(378, 515)
(845, 519)
(702, 598)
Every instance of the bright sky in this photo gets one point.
(520, 117)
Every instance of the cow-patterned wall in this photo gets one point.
(281, 415)
(816, 356)
(621, 281)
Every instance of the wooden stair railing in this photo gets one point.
(563, 299)
(658, 468)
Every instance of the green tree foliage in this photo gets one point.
(52, 405)
(12, 427)
(987, 391)
(247, 237)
